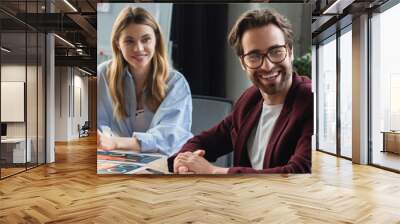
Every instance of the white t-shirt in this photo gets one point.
(260, 135)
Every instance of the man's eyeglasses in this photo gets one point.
(254, 60)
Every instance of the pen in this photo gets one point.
(154, 171)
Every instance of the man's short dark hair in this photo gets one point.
(255, 19)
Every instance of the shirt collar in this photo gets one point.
(127, 72)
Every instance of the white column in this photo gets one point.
(50, 94)
(360, 90)
(314, 90)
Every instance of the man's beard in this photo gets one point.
(275, 88)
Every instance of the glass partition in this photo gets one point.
(14, 153)
(22, 88)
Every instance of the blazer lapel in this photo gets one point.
(281, 122)
(242, 156)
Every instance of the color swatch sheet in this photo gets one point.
(121, 162)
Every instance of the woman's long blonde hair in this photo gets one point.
(155, 84)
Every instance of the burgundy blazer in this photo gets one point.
(289, 147)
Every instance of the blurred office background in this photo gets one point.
(197, 40)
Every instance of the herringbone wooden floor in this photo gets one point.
(69, 191)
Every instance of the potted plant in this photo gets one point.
(302, 65)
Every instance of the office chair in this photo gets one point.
(207, 112)
(84, 130)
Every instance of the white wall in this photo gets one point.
(16, 73)
(300, 17)
(80, 93)
(61, 103)
(70, 84)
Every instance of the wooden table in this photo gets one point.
(14, 151)
(391, 141)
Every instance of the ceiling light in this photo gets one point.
(79, 51)
(64, 40)
(70, 5)
(337, 7)
(329, 9)
(5, 49)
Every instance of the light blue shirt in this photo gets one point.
(169, 126)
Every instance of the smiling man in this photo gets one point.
(270, 127)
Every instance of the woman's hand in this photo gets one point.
(105, 142)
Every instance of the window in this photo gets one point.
(385, 85)
(327, 96)
(346, 92)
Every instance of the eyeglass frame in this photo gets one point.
(265, 55)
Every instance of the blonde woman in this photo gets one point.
(143, 105)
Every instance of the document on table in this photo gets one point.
(123, 162)
(111, 167)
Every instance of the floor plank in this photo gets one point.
(70, 191)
